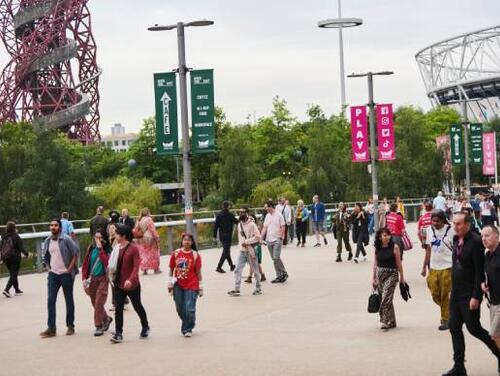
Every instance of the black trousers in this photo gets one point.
(135, 298)
(301, 230)
(226, 254)
(13, 264)
(360, 248)
(460, 314)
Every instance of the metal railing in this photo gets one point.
(170, 229)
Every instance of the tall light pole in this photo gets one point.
(373, 145)
(340, 23)
(186, 147)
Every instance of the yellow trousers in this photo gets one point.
(439, 282)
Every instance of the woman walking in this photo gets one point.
(360, 236)
(148, 242)
(126, 283)
(387, 267)
(186, 282)
(95, 280)
(301, 218)
(396, 225)
(12, 248)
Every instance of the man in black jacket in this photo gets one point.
(224, 222)
(466, 294)
(126, 219)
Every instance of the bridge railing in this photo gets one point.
(170, 227)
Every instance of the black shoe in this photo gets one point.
(220, 270)
(324, 239)
(339, 259)
(18, 292)
(107, 323)
(233, 267)
(262, 277)
(144, 332)
(283, 278)
(444, 325)
(248, 280)
(317, 245)
(349, 258)
(117, 338)
(456, 371)
(276, 280)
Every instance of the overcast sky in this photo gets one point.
(260, 49)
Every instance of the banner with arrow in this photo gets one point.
(167, 141)
(457, 145)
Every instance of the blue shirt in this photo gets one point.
(67, 227)
(318, 212)
(439, 203)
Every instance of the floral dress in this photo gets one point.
(149, 245)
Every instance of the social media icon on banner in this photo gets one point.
(386, 132)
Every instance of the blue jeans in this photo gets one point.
(185, 303)
(54, 282)
(371, 223)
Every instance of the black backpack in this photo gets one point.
(7, 249)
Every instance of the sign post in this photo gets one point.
(167, 141)
(202, 111)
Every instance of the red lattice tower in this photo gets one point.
(52, 78)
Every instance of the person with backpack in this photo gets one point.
(186, 282)
(438, 262)
(11, 249)
(126, 283)
(95, 281)
(248, 239)
(60, 256)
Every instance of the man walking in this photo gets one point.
(67, 226)
(98, 222)
(466, 294)
(273, 233)
(59, 254)
(438, 262)
(318, 220)
(224, 222)
(439, 202)
(342, 224)
(248, 239)
(285, 209)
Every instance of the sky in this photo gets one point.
(259, 49)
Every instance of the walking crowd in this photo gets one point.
(458, 237)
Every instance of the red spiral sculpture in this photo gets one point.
(52, 78)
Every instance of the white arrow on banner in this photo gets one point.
(165, 99)
(457, 144)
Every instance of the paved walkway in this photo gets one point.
(315, 324)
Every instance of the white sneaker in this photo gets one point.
(188, 334)
(356, 260)
(6, 294)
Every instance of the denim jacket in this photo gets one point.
(68, 249)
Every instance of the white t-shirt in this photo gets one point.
(273, 223)
(441, 246)
(485, 208)
(369, 208)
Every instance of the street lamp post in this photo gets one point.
(373, 145)
(340, 23)
(186, 147)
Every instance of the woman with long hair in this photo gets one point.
(148, 242)
(95, 280)
(186, 282)
(360, 236)
(13, 245)
(387, 267)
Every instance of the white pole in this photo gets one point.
(341, 53)
(496, 164)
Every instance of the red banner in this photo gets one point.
(489, 153)
(359, 134)
(385, 133)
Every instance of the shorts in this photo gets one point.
(495, 320)
(318, 226)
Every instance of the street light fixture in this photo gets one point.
(373, 149)
(186, 147)
(340, 23)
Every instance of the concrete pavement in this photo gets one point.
(314, 324)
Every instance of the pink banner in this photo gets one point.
(385, 133)
(359, 134)
(489, 153)
(443, 144)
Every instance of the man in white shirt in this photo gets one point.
(487, 209)
(439, 202)
(273, 233)
(285, 209)
(438, 261)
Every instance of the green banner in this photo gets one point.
(202, 111)
(167, 140)
(457, 145)
(476, 144)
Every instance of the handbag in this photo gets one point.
(404, 289)
(407, 244)
(374, 302)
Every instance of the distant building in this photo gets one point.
(118, 140)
